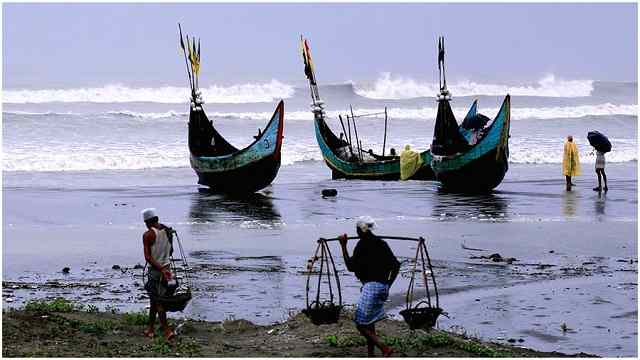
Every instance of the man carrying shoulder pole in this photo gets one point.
(157, 252)
(376, 267)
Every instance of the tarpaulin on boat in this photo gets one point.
(410, 163)
(447, 139)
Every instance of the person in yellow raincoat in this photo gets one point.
(570, 161)
(410, 163)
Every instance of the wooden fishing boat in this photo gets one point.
(466, 165)
(342, 156)
(482, 166)
(218, 164)
(385, 168)
(224, 168)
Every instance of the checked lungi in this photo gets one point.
(371, 303)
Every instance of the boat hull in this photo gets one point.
(481, 175)
(250, 178)
(483, 167)
(248, 170)
(378, 170)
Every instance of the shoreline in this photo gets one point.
(61, 329)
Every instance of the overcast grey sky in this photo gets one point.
(61, 45)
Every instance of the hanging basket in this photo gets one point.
(421, 317)
(425, 313)
(325, 313)
(175, 302)
(319, 311)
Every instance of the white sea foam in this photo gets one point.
(388, 86)
(132, 157)
(234, 94)
(423, 113)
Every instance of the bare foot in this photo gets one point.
(169, 334)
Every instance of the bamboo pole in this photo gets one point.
(355, 130)
(384, 142)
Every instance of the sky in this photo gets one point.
(70, 45)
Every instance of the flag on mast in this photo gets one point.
(309, 69)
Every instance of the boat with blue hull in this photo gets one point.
(482, 167)
(470, 157)
(344, 155)
(224, 168)
(218, 164)
(382, 169)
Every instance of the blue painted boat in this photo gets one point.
(477, 168)
(468, 157)
(342, 157)
(227, 169)
(218, 164)
(386, 168)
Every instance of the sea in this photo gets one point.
(79, 164)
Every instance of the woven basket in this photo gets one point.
(176, 302)
(326, 313)
(420, 318)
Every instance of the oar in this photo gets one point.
(184, 51)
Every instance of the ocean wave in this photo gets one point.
(423, 113)
(234, 94)
(388, 86)
(131, 157)
(148, 115)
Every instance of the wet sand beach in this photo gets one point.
(576, 261)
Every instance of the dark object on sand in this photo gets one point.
(329, 192)
(115, 267)
(65, 270)
(599, 141)
(178, 292)
(323, 311)
(138, 266)
(344, 155)
(473, 167)
(218, 164)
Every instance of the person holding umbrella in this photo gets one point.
(601, 145)
(570, 161)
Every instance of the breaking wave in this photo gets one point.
(234, 94)
(424, 113)
(130, 157)
(388, 86)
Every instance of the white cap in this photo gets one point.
(365, 223)
(148, 213)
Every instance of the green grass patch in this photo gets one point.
(99, 328)
(345, 340)
(481, 350)
(43, 306)
(161, 346)
(136, 318)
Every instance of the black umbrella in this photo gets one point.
(599, 141)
